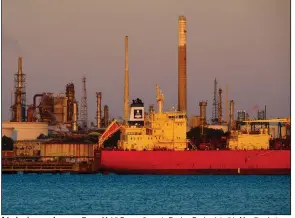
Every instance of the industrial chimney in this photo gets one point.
(75, 116)
(19, 114)
(182, 103)
(226, 104)
(98, 109)
(106, 115)
(203, 106)
(70, 94)
(231, 115)
(126, 83)
(220, 106)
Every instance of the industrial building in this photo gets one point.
(24, 130)
(55, 116)
(70, 152)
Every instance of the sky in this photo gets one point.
(244, 43)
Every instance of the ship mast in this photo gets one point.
(160, 98)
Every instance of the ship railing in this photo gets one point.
(192, 144)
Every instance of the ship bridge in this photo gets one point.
(176, 115)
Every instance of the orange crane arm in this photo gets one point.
(112, 128)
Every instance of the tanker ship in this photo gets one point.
(156, 143)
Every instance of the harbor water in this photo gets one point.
(115, 194)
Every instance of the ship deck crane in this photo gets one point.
(160, 98)
(112, 128)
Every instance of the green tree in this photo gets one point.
(7, 143)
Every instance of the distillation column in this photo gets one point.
(226, 104)
(182, 102)
(231, 115)
(75, 116)
(203, 106)
(19, 80)
(106, 116)
(220, 106)
(98, 109)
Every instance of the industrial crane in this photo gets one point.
(160, 98)
(112, 128)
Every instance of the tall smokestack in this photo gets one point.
(106, 115)
(220, 106)
(20, 70)
(203, 107)
(126, 83)
(98, 111)
(18, 92)
(75, 116)
(231, 115)
(182, 64)
(226, 103)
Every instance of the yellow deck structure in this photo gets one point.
(162, 130)
(247, 141)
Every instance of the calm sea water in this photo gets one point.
(114, 194)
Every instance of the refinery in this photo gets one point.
(52, 134)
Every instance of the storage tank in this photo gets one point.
(195, 121)
(272, 132)
(7, 131)
(30, 113)
(284, 131)
(59, 106)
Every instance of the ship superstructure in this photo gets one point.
(156, 143)
(159, 131)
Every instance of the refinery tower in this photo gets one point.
(182, 64)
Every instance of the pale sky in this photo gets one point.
(243, 43)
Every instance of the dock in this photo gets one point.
(13, 167)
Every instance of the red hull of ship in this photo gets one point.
(223, 162)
